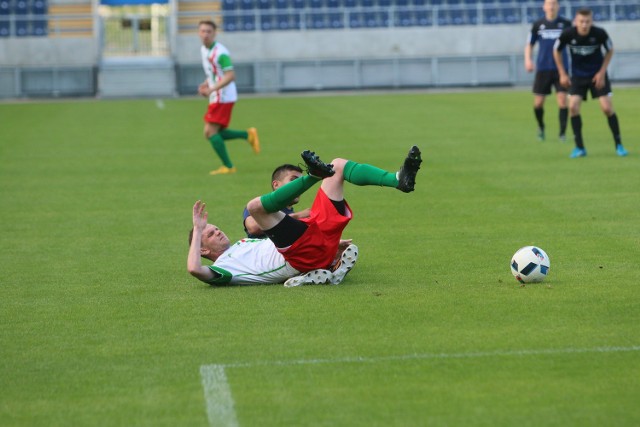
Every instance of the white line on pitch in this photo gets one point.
(420, 356)
(217, 396)
(220, 406)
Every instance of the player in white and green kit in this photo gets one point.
(219, 86)
(294, 246)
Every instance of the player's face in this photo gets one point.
(583, 24)
(214, 239)
(286, 178)
(551, 8)
(207, 34)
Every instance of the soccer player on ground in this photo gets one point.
(219, 86)
(588, 73)
(294, 246)
(545, 31)
(280, 176)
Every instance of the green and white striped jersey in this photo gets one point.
(250, 261)
(215, 62)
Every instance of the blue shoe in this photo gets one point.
(578, 152)
(620, 151)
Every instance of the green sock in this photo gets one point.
(283, 196)
(363, 174)
(233, 134)
(217, 142)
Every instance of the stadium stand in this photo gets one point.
(71, 20)
(242, 15)
(36, 18)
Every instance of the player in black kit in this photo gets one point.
(545, 31)
(588, 73)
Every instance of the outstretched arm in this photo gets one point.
(194, 262)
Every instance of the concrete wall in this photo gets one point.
(385, 43)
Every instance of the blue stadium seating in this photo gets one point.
(5, 29)
(247, 4)
(328, 14)
(229, 4)
(248, 22)
(267, 22)
(317, 21)
(39, 27)
(404, 18)
(511, 15)
(336, 20)
(5, 7)
(629, 12)
(230, 23)
(21, 7)
(424, 18)
(491, 15)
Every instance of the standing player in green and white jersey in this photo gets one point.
(297, 251)
(219, 86)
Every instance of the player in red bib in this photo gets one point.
(297, 251)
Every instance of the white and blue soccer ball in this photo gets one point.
(530, 264)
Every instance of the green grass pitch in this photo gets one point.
(101, 325)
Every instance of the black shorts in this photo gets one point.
(582, 85)
(545, 80)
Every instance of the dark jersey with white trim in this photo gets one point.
(586, 51)
(545, 33)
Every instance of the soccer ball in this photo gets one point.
(530, 264)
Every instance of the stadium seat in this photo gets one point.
(366, 3)
(267, 22)
(39, 7)
(511, 15)
(472, 16)
(229, 4)
(5, 8)
(629, 12)
(424, 18)
(333, 4)
(533, 13)
(22, 28)
(316, 21)
(264, 4)
(491, 15)
(336, 20)
(247, 4)
(356, 20)
(316, 4)
(39, 27)
(404, 18)
(248, 22)
(402, 3)
(457, 17)
(230, 23)
(298, 4)
(4, 29)
(443, 17)
(350, 4)
(20, 7)
(601, 12)
(282, 4)
(384, 3)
